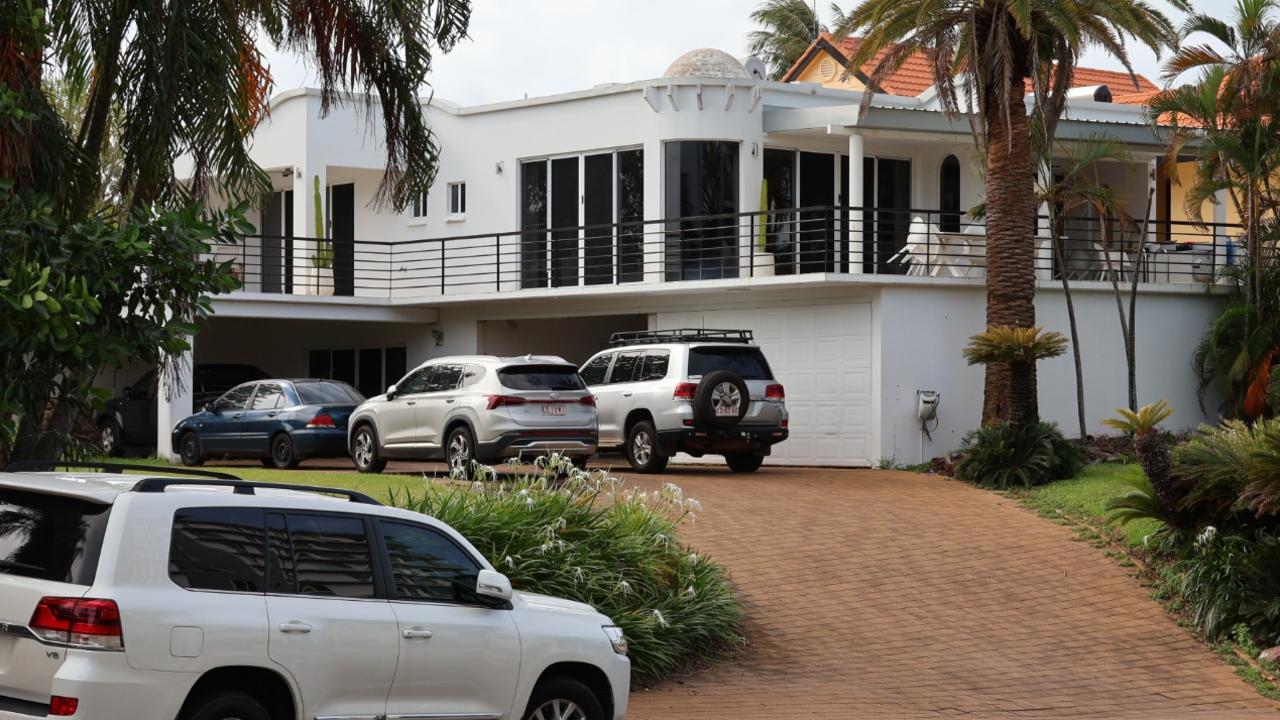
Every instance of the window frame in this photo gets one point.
(388, 571)
(418, 209)
(371, 540)
(457, 199)
(611, 355)
(282, 396)
(264, 540)
(640, 355)
(644, 363)
(217, 404)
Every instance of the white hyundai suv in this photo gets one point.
(137, 598)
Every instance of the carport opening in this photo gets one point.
(574, 339)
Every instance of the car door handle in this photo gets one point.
(295, 627)
(236, 416)
(451, 400)
(626, 394)
(417, 634)
(410, 402)
(271, 414)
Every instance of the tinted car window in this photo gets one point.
(269, 397)
(445, 377)
(654, 366)
(281, 577)
(218, 549)
(593, 372)
(331, 556)
(748, 362)
(426, 565)
(472, 375)
(50, 537)
(235, 399)
(321, 393)
(540, 377)
(624, 369)
(416, 381)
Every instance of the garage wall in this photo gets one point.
(923, 329)
(574, 339)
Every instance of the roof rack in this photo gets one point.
(244, 487)
(654, 337)
(110, 467)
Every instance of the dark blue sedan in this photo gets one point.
(279, 422)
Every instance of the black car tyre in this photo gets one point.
(226, 705)
(643, 450)
(189, 450)
(580, 461)
(365, 454)
(721, 400)
(111, 438)
(460, 450)
(744, 462)
(282, 455)
(562, 698)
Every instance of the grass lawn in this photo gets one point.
(1087, 494)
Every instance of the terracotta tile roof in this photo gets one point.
(916, 74)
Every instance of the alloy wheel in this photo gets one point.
(642, 447)
(459, 452)
(558, 710)
(108, 439)
(725, 399)
(363, 450)
(283, 451)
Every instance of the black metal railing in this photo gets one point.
(873, 241)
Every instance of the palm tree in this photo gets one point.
(787, 29)
(1019, 349)
(984, 54)
(1153, 452)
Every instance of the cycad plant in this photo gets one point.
(1153, 452)
(1019, 348)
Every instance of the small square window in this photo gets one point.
(458, 198)
(420, 205)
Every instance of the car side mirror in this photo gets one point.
(391, 391)
(211, 408)
(493, 585)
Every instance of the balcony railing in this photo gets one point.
(920, 243)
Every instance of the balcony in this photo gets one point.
(866, 242)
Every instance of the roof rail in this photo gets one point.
(654, 337)
(245, 487)
(111, 467)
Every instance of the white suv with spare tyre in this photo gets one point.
(700, 392)
(126, 597)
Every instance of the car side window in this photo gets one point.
(446, 377)
(235, 398)
(427, 565)
(416, 381)
(268, 397)
(218, 548)
(624, 369)
(593, 373)
(655, 365)
(330, 556)
(472, 375)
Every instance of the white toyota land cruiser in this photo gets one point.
(127, 597)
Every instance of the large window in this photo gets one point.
(218, 548)
(370, 370)
(949, 195)
(427, 566)
(702, 205)
(780, 196)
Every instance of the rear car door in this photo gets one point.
(397, 417)
(441, 394)
(49, 547)
(260, 418)
(617, 396)
(458, 657)
(328, 626)
(220, 430)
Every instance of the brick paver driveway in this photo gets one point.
(878, 594)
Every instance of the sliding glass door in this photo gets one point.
(277, 243)
(886, 217)
(702, 205)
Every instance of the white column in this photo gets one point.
(854, 200)
(304, 224)
(655, 237)
(750, 178)
(173, 403)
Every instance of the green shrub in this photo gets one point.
(584, 536)
(1229, 580)
(1010, 455)
(1232, 474)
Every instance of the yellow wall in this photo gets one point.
(825, 69)
(1177, 210)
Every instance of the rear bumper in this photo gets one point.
(755, 439)
(107, 687)
(518, 443)
(320, 442)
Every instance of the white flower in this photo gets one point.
(511, 563)
(693, 505)
(624, 587)
(673, 491)
(579, 575)
(693, 558)
(1206, 536)
(657, 616)
(690, 592)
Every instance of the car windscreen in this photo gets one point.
(541, 377)
(747, 362)
(327, 393)
(50, 537)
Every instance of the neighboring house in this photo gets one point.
(557, 220)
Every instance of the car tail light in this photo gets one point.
(497, 401)
(684, 391)
(589, 400)
(786, 424)
(775, 392)
(323, 420)
(63, 706)
(78, 622)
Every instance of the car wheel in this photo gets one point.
(721, 400)
(228, 705)
(643, 451)
(563, 698)
(282, 455)
(189, 450)
(364, 451)
(744, 462)
(460, 450)
(110, 438)
(580, 461)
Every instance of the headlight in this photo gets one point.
(616, 638)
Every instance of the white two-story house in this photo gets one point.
(708, 197)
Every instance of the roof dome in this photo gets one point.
(708, 63)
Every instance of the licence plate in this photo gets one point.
(726, 411)
(557, 409)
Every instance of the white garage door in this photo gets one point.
(822, 355)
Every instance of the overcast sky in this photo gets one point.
(538, 47)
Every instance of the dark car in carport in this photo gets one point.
(280, 422)
(129, 419)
